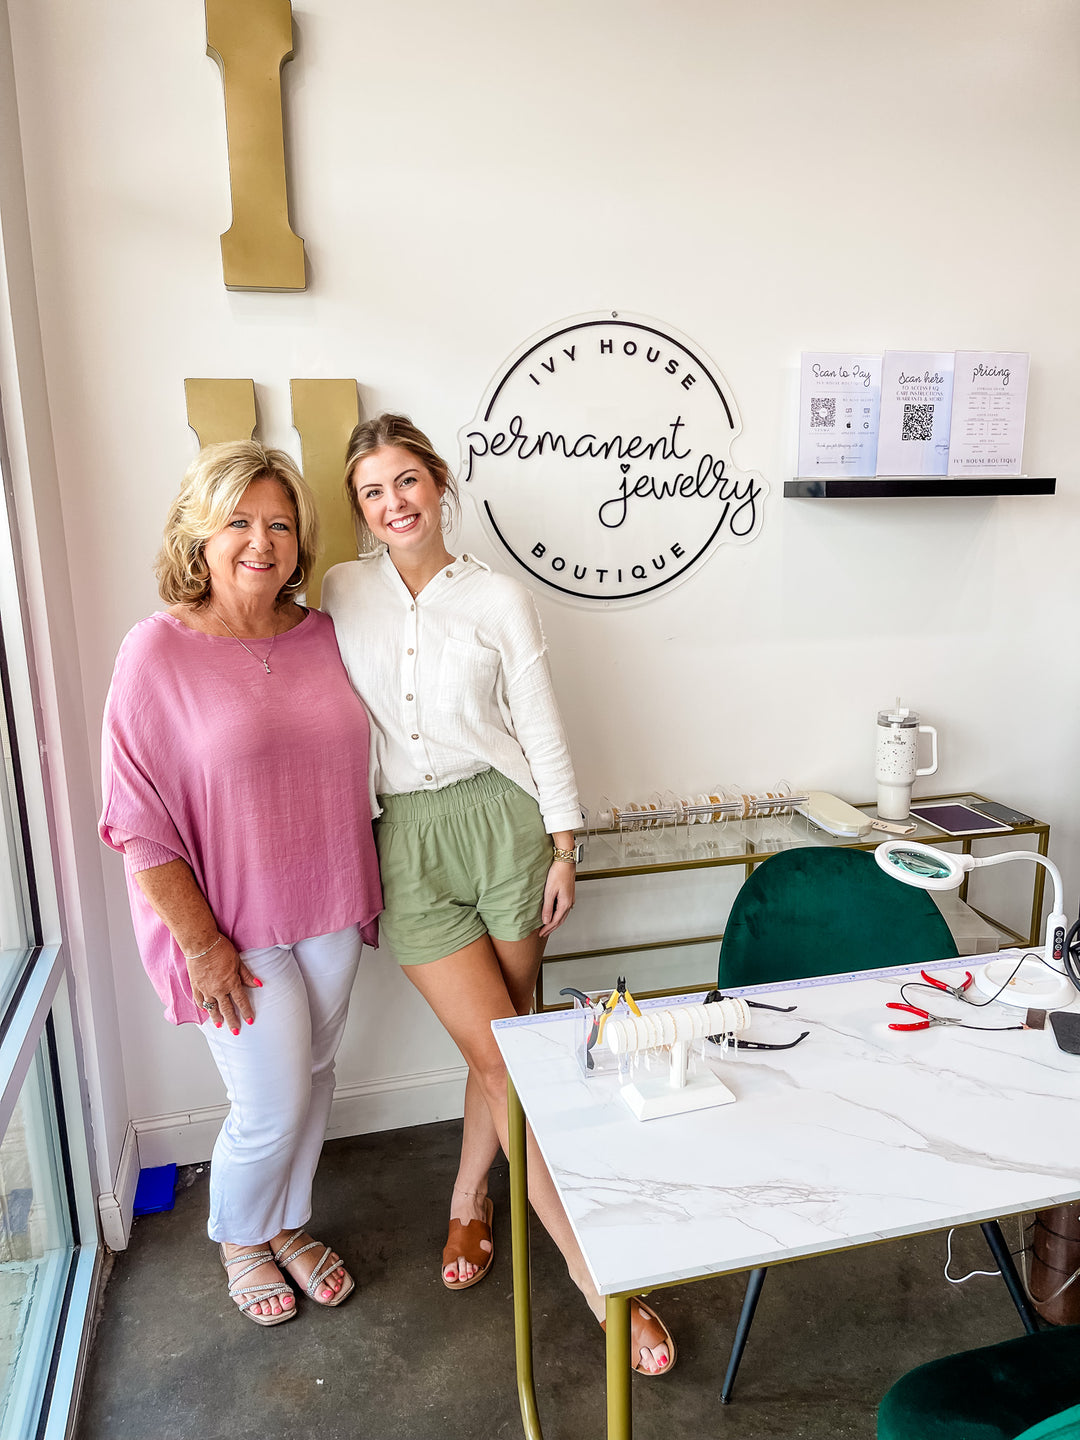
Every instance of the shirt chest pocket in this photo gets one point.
(468, 678)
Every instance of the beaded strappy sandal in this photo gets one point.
(258, 1293)
(286, 1255)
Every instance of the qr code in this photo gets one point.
(918, 422)
(823, 412)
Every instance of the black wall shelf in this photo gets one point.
(850, 487)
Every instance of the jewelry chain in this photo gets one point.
(264, 663)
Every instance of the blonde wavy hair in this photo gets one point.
(386, 430)
(211, 491)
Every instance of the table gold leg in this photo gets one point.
(620, 1420)
(1035, 936)
(519, 1233)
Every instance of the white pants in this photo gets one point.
(279, 1074)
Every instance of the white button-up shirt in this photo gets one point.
(456, 681)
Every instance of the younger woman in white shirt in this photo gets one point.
(473, 775)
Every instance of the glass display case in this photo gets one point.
(657, 920)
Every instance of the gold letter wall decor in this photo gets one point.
(221, 409)
(324, 413)
(251, 40)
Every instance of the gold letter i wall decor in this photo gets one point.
(251, 40)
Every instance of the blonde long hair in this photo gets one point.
(210, 492)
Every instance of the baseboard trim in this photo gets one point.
(391, 1103)
(115, 1208)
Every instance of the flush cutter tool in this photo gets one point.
(619, 993)
(956, 991)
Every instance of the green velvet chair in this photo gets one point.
(1025, 1389)
(820, 911)
(1065, 1426)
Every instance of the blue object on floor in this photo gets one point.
(155, 1190)
(18, 1211)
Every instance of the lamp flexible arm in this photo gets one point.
(1057, 921)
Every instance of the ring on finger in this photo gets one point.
(208, 1004)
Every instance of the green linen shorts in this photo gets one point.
(461, 862)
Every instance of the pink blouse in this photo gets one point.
(259, 782)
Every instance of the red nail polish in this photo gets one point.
(236, 1031)
(254, 981)
(251, 1019)
(663, 1361)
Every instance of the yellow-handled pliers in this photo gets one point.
(619, 993)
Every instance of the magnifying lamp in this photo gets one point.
(1045, 986)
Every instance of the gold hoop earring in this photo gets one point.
(297, 583)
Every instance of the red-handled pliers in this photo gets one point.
(956, 991)
(926, 1018)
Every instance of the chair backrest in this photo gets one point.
(822, 911)
(1065, 1426)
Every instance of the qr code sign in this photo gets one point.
(823, 412)
(918, 422)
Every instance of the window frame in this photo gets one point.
(38, 1010)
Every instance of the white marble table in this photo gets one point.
(858, 1134)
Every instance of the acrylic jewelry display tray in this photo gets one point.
(718, 804)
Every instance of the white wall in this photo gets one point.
(767, 178)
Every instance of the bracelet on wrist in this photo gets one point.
(201, 953)
(568, 855)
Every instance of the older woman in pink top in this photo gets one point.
(235, 779)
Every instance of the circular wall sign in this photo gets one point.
(601, 459)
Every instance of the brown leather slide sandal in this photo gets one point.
(647, 1332)
(464, 1242)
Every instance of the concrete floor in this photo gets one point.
(404, 1359)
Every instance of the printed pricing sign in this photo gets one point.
(989, 406)
(601, 459)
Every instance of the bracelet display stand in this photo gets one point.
(673, 1031)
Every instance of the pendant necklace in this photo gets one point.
(264, 663)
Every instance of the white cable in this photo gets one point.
(1025, 1271)
(960, 1279)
